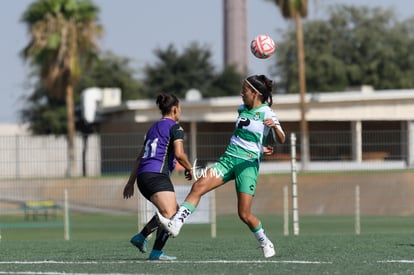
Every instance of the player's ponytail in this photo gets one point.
(165, 102)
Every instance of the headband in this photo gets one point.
(250, 84)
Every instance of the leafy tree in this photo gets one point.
(193, 69)
(63, 35)
(111, 70)
(354, 46)
(46, 114)
(226, 83)
(296, 10)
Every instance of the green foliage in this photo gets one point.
(63, 39)
(193, 69)
(81, 9)
(46, 113)
(175, 72)
(112, 71)
(354, 46)
(290, 8)
(64, 54)
(226, 83)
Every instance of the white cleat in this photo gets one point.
(268, 250)
(168, 225)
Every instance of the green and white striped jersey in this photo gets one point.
(250, 133)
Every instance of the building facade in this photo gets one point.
(351, 126)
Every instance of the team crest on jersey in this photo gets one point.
(256, 116)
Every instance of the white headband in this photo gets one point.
(250, 84)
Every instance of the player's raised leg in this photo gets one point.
(210, 181)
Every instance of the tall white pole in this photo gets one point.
(67, 221)
(357, 211)
(213, 214)
(286, 210)
(295, 210)
(140, 212)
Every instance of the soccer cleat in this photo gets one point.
(268, 249)
(168, 225)
(140, 242)
(157, 255)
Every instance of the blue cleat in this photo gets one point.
(140, 242)
(157, 255)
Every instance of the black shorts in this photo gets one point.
(151, 183)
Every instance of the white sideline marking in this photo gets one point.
(253, 262)
(397, 261)
(171, 262)
(57, 273)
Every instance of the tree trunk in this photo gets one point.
(71, 130)
(304, 150)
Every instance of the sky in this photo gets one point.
(135, 28)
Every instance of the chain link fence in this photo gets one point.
(35, 168)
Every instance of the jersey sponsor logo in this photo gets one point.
(243, 122)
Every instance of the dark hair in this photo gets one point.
(264, 85)
(166, 101)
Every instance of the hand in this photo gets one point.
(269, 123)
(188, 174)
(268, 150)
(128, 190)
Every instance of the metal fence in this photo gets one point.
(46, 156)
(34, 168)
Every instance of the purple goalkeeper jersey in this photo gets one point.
(159, 154)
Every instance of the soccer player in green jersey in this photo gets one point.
(240, 161)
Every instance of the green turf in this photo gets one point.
(326, 245)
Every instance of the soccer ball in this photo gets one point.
(262, 46)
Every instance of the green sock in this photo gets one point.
(184, 212)
(260, 234)
(257, 228)
(189, 206)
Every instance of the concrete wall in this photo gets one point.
(25, 156)
(382, 193)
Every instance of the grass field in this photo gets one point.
(326, 245)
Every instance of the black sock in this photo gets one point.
(162, 237)
(150, 227)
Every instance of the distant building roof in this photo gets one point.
(9, 129)
(334, 106)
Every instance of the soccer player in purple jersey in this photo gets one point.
(163, 146)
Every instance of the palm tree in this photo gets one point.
(296, 9)
(63, 36)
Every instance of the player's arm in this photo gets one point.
(274, 124)
(129, 186)
(182, 158)
(280, 134)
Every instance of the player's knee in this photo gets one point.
(168, 212)
(245, 217)
(198, 189)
